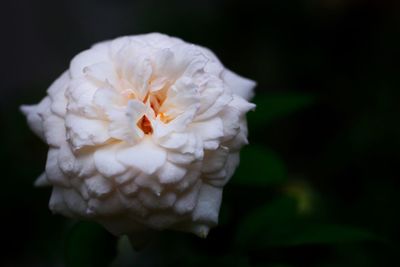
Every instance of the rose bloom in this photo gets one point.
(143, 132)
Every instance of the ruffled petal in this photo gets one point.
(240, 86)
(106, 162)
(34, 120)
(85, 59)
(144, 156)
(170, 173)
(208, 204)
(123, 122)
(53, 170)
(56, 93)
(85, 132)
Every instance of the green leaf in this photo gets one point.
(279, 223)
(275, 106)
(328, 234)
(259, 167)
(88, 244)
(268, 222)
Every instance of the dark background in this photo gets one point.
(318, 184)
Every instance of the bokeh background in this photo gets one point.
(318, 184)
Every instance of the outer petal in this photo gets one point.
(56, 93)
(85, 59)
(57, 203)
(209, 202)
(240, 86)
(187, 202)
(85, 132)
(34, 120)
(80, 96)
(209, 130)
(42, 181)
(98, 186)
(102, 73)
(54, 129)
(215, 160)
(53, 170)
(35, 115)
(74, 201)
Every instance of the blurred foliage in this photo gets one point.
(275, 106)
(250, 173)
(318, 183)
(87, 244)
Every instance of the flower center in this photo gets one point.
(155, 100)
(145, 125)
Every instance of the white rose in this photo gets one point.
(144, 131)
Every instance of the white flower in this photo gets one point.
(144, 131)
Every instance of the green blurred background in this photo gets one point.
(318, 184)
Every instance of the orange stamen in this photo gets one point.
(145, 124)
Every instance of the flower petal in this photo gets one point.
(215, 160)
(54, 129)
(170, 173)
(123, 123)
(53, 171)
(208, 204)
(56, 93)
(85, 132)
(34, 120)
(106, 162)
(57, 203)
(209, 130)
(144, 156)
(85, 59)
(240, 86)
(187, 202)
(99, 186)
(103, 73)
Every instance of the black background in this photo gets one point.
(345, 146)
